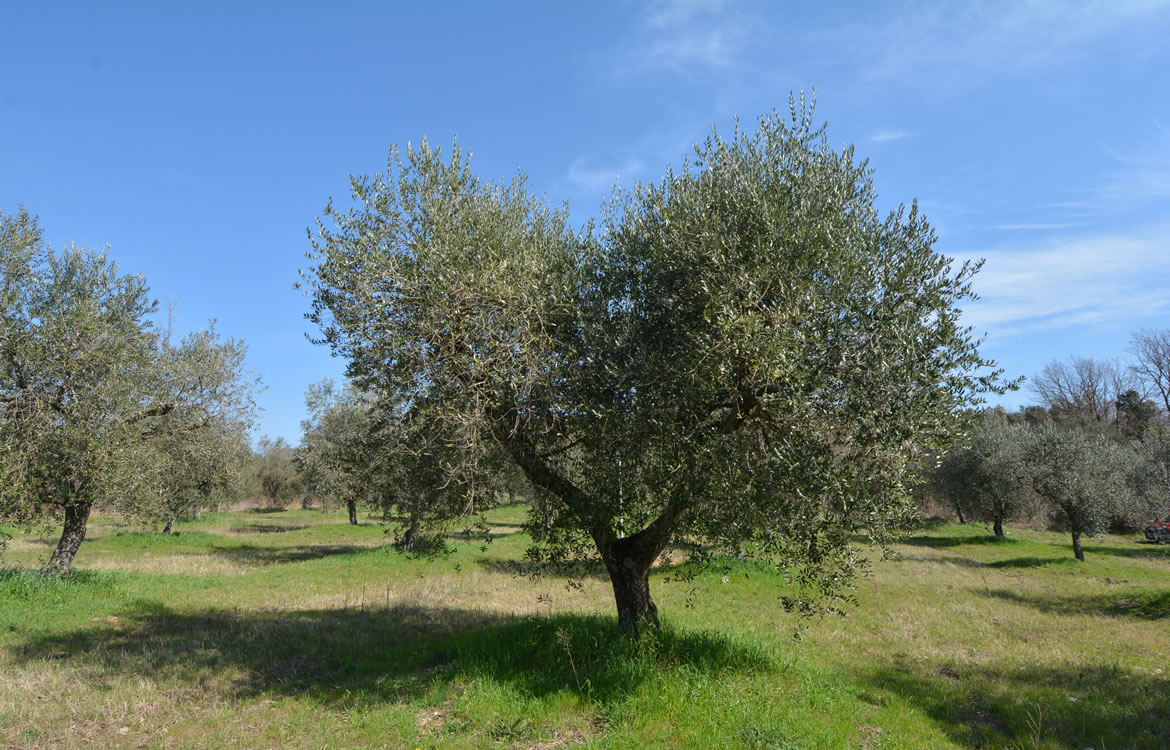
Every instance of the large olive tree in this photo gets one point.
(744, 354)
(89, 387)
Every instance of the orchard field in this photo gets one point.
(295, 629)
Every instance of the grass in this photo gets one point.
(295, 629)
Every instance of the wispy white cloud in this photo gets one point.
(1137, 178)
(1139, 175)
(1100, 279)
(683, 36)
(589, 177)
(1031, 227)
(936, 43)
(884, 136)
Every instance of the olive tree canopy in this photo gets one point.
(89, 389)
(988, 477)
(744, 354)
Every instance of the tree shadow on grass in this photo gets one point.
(577, 570)
(249, 554)
(1146, 551)
(348, 657)
(926, 540)
(1141, 604)
(266, 528)
(1089, 706)
(1036, 562)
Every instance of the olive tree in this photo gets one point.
(1082, 479)
(744, 354)
(182, 474)
(987, 478)
(88, 386)
(333, 456)
(276, 472)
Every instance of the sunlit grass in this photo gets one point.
(312, 632)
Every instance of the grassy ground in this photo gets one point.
(294, 629)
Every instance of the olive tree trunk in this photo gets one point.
(409, 541)
(1080, 553)
(352, 506)
(629, 561)
(170, 527)
(61, 561)
(998, 525)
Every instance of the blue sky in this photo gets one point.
(199, 140)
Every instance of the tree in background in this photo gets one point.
(988, 478)
(747, 356)
(186, 473)
(1081, 479)
(1151, 351)
(334, 457)
(1083, 392)
(1134, 416)
(90, 389)
(276, 472)
(422, 476)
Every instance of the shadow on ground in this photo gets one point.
(1090, 706)
(265, 528)
(574, 570)
(924, 540)
(347, 657)
(249, 554)
(1141, 604)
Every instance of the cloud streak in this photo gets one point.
(589, 177)
(1102, 279)
(885, 136)
(931, 42)
(687, 36)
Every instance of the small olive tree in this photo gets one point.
(1082, 479)
(89, 387)
(988, 477)
(745, 355)
(276, 472)
(333, 457)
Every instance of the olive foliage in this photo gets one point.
(90, 390)
(987, 478)
(744, 356)
(333, 456)
(1081, 479)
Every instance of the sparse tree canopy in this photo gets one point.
(1081, 479)
(1151, 350)
(1084, 392)
(277, 473)
(988, 479)
(745, 354)
(334, 457)
(87, 385)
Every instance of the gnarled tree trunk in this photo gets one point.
(352, 506)
(629, 562)
(998, 525)
(61, 561)
(170, 527)
(1080, 553)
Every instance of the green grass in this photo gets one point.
(295, 629)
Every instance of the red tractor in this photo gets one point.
(1159, 531)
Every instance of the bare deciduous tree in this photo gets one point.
(1151, 350)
